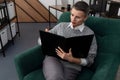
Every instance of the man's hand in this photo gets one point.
(47, 29)
(66, 56)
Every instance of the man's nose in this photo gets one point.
(73, 18)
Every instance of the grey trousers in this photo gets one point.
(53, 69)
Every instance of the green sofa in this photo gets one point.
(107, 31)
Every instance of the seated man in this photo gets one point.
(69, 67)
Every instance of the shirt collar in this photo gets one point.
(80, 27)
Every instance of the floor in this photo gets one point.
(29, 33)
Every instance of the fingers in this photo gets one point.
(47, 29)
(60, 53)
(60, 50)
(63, 54)
(70, 50)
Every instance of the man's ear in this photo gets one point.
(86, 17)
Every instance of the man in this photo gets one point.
(57, 69)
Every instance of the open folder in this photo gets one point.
(80, 45)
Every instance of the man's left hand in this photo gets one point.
(62, 54)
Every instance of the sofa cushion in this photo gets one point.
(109, 44)
(85, 74)
(35, 75)
(106, 66)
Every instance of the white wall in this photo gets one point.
(47, 3)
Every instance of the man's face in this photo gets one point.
(77, 17)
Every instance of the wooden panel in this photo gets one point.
(41, 9)
(32, 11)
(29, 10)
(1, 1)
(22, 17)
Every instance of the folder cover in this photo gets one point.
(80, 45)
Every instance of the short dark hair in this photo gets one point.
(82, 6)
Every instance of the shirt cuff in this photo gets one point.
(39, 41)
(83, 62)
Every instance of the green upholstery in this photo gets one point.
(107, 31)
(35, 75)
(30, 63)
(64, 17)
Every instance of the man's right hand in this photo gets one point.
(47, 29)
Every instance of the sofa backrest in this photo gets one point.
(65, 17)
(107, 32)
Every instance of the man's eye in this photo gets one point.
(78, 17)
(72, 15)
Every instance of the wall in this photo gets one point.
(37, 10)
(47, 3)
(32, 11)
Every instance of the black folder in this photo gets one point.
(80, 45)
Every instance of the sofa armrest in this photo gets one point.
(28, 61)
(107, 69)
